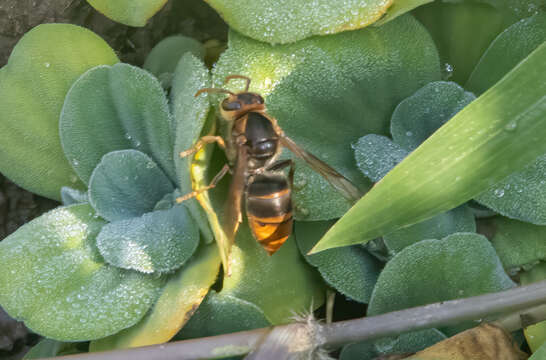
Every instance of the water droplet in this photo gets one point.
(458, 178)
(511, 126)
(409, 133)
(128, 136)
(304, 212)
(47, 65)
(75, 162)
(499, 192)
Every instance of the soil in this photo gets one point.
(188, 17)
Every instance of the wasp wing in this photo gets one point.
(338, 181)
(232, 209)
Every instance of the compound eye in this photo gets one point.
(231, 105)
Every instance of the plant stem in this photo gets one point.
(367, 328)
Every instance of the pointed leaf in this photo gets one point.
(350, 270)
(177, 303)
(275, 21)
(158, 241)
(128, 12)
(52, 277)
(114, 108)
(517, 243)
(500, 132)
(315, 88)
(126, 184)
(222, 314)
(279, 285)
(460, 265)
(400, 7)
(33, 85)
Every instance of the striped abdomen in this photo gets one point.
(269, 210)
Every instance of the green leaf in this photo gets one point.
(180, 297)
(128, 12)
(164, 57)
(506, 51)
(460, 265)
(463, 30)
(48, 348)
(279, 22)
(190, 115)
(400, 7)
(70, 196)
(460, 219)
(350, 270)
(158, 241)
(521, 195)
(517, 243)
(540, 354)
(376, 155)
(500, 132)
(114, 108)
(420, 115)
(126, 184)
(52, 277)
(223, 314)
(535, 334)
(280, 285)
(326, 92)
(33, 85)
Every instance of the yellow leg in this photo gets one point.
(212, 184)
(209, 139)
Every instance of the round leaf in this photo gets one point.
(164, 57)
(460, 219)
(159, 241)
(517, 243)
(376, 155)
(326, 92)
(540, 354)
(350, 270)
(521, 195)
(222, 314)
(52, 277)
(125, 184)
(128, 12)
(418, 116)
(33, 85)
(114, 108)
(180, 297)
(508, 49)
(460, 265)
(277, 21)
(279, 285)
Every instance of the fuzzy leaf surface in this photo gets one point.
(500, 132)
(53, 278)
(128, 12)
(116, 108)
(127, 184)
(33, 86)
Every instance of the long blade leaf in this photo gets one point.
(499, 133)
